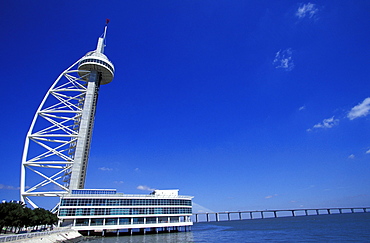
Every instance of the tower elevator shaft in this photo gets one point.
(81, 156)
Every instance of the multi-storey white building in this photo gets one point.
(93, 210)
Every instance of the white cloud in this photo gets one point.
(359, 110)
(137, 169)
(352, 156)
(326, 123)
(283, 59)
(307, 10)
(6, 187)
(271, 196)
(368, 152)
(145, 188)
(302, 108)
(105, 169)
(118, 182)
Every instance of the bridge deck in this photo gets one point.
(240, 215)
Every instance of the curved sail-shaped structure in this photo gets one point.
(57, 145)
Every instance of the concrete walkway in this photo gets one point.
(49, 237)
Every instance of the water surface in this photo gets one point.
(351, 227)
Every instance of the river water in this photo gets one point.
(351, 227)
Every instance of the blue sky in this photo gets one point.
(243, 104)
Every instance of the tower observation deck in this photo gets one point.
(57, 145)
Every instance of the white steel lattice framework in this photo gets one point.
(57, 144)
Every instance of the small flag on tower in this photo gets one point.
(107, 21)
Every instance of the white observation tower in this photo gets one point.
(57, 145)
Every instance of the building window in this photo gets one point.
(138, 220)
(158, 211)
(111, 221)
(96, 221)
(162, 220)
(151, 220)
(82, 222)
(79, 212)
(174, 219)
(125, 221)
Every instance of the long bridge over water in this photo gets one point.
(260, 214)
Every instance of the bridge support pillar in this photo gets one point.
(228, 216)
(293, 213)
(240, 215)
(251, 214)
(275, 214)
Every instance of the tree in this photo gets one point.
(17, 215)
(11, 214)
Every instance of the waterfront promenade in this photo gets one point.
(58, 235)
(241, 215)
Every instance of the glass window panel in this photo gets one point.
(151, 220)
(99, 211)
(158, 211)
(96, 221)
(82, 222)
(78, 211)
(162, 219)
(63, 212)
(125, 221)
(138, 220)
(71, 212)
(86, 211)
(174, 219)
(111, 221)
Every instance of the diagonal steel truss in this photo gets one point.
(49, 149)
